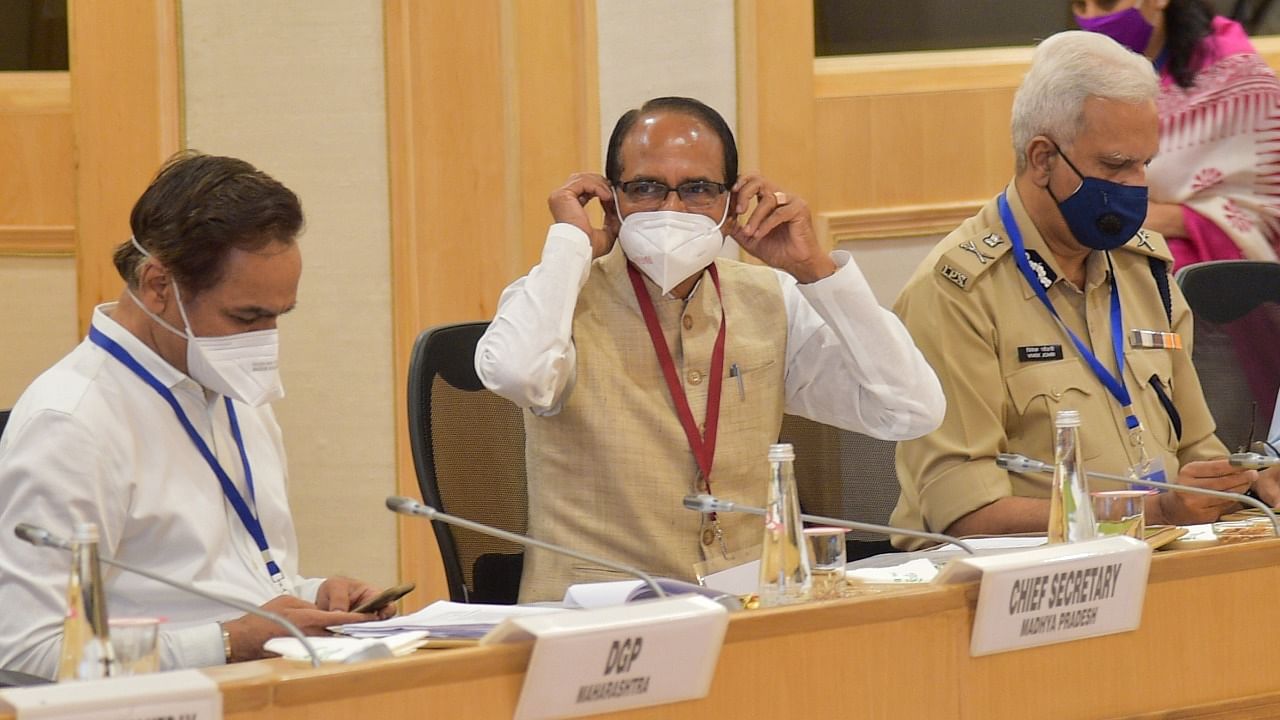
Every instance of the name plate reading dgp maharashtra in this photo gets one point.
(596, 661)
(1057, 593)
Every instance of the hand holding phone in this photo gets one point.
(384, 598)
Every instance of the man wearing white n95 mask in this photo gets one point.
(156, 428)
(656, 369)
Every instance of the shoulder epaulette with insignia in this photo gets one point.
(1149, 243)
(970, 258)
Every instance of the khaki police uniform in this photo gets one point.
(1007, 368)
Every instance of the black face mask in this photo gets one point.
(1102, 215)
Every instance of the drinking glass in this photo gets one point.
(134, 642)
(1120, 512)
(827, 561)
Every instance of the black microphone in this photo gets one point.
(1024, 464)
(409, 506)
(705, 503)
(40, 537)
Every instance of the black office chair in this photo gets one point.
(4, 420)
(845, 475)
(1236, 350)
(468, 451)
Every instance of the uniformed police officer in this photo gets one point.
(1052, 298)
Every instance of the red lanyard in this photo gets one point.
(702, 445)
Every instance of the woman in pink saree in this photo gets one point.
(1215, 185)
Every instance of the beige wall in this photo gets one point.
(665, 47)
(296, 87)
(37, 319)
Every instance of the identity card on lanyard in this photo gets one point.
(248, 516)
(703, 445)
(1147, 467)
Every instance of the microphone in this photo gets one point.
(705, 503)
(40, 537)
(409, 506)
(1024, 464)
(1252, 461)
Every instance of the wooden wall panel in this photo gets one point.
(126, 118)
(37, 199)
(491, 105)
(911, 144)
(775, 92)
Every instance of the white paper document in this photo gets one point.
(444, 619)
(912, 571)
(620, 592)
(348, 649)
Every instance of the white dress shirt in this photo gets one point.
(90, 441)
(850, 362)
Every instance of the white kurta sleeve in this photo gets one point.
(527, 354)
(851, 363)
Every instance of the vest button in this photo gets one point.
(688, 322)
(695, 377)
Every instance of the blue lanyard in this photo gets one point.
(247, 517)
(1113, 383)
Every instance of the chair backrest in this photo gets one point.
(1236, 350)
(843, 474)
(468, 451)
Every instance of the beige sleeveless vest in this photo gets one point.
(607, 474)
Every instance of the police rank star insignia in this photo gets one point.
(993, 240)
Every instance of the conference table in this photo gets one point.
(1206, 647)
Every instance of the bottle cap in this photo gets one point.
(1067, 418)
(85, 532)
(781, 452)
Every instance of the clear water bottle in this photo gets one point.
(86, 644)
(784, 561)
(1070, 509)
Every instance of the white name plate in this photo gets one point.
(181, 695)
(596, 661)
(1055, 593)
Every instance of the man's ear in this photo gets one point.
(155, 286)
(1042, 156)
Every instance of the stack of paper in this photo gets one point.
(444, 619)
(347, 649)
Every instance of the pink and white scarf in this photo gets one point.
(1220, 152)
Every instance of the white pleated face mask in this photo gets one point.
(669, 246)
(244, 366)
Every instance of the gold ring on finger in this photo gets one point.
(781, 197)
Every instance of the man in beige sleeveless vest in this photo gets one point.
(656, 369)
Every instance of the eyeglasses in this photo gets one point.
(696, 194)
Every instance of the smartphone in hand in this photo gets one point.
(384, 598)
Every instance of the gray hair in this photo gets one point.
(1067, 69)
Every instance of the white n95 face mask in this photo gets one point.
(244, 366)
(669, 246)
